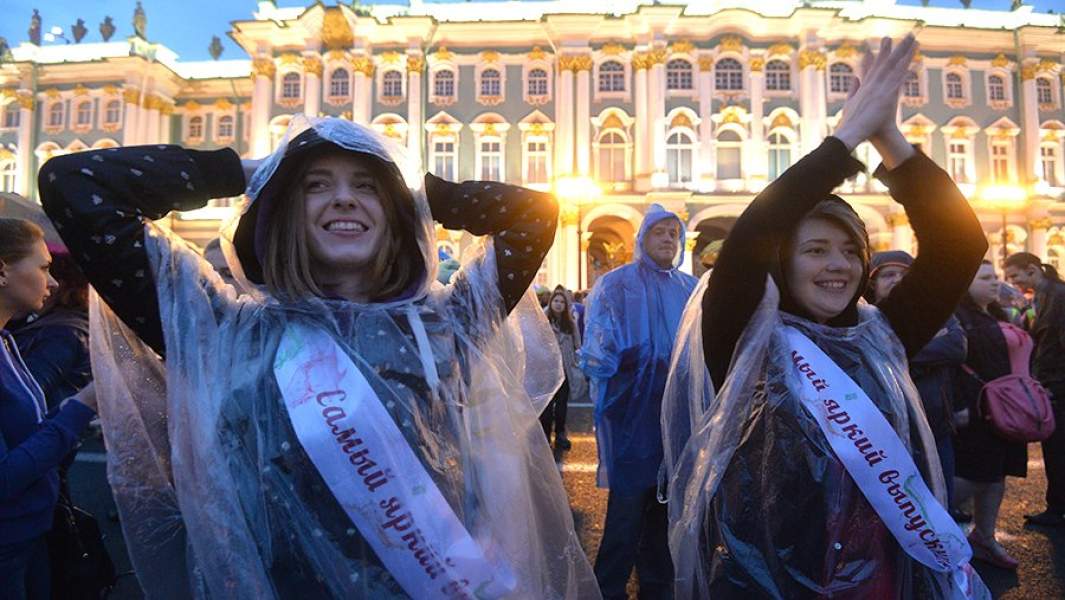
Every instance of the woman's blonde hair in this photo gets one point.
(287, 261)
(17, 237)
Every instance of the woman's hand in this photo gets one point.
(869, 113)
(87, 396)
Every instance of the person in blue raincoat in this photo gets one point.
(633, 315)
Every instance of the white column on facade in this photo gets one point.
(415, 130)
(583, 145)
(362, 98)
(312, 76)
(657, 107)
(261, 98)
(757, 169)
(1029, 167)
(706, 125)
(1037, 236)
(164, 123)
(571, 244)
(24, 154)
(564, 130)
(151, 117)
(640, 140)
(812, 97)
(130, 131)
(143, 117)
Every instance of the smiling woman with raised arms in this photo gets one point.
(807, 473)
(345, 427)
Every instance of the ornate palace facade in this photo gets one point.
(696, 105)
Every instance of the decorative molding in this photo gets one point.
(757, 64)
(898, 219)
(415, 64)
(706, 63)
(442, 53)
(489, 56)
(957, 61)
(80, 91)
(336, 55)
(191, 106)
(362, 64)
(51, 94)
(537, 53)
(918, 58)
(1028, 71)
(336, 32)
(132, 96)
(263, 67)
(1047, 66)
(847, 50)
(111, 90)
(312, 65)
(780, 49)
(223, 104)
(1000, 61)
(289, 59)
(25, 99)
(640, 60)
(730, 43)
(812, 58)
(682, 47)
(612, 49)
(1043, 223)
(681, 120)
(583, 62)
(656, 56)
(391, 57)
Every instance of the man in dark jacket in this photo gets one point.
(1027, 272)
(933, 368)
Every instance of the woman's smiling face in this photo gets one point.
(824, 268)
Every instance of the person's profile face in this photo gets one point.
(886, 280)
(984, 287)
(1024, 278)
(662, 242)
(345, 222)
(28, 281)
(824, 268)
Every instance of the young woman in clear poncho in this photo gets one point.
(420, 470)
(761, 504)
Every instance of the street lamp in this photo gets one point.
(1005, 199)
(572, 192)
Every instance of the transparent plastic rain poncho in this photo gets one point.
(759, 506)
(633, 313)
(216, 495)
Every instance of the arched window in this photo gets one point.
(728, 74)
(777, 76)
(536, 159)
(195, 128)
(392, 84)
(225, 127)
(11, 113)
(678, 74)
(340, 84)
(611, 77)
(83, 115)
(679, 157)
(290, 86)
(1044, 94)
(954, 89)
(779, 154)
(113, 112)
(442, 155)
(1050, 157)
(490, 154)
(840, 76)
(55, 115)
(729, 155)
(958, 160)
(996, 88)
(491, 83)
(444, 84)
(911, 88)
(611, 164)
(1000, 161)
(537, 82)
(7, 175)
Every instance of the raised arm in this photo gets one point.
(98, 201)
(521, 222)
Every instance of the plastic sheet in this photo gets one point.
(218, 498)
(759, 504)
(633, 314)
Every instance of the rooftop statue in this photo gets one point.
(107, 29)
(78, 30)
(140, 21)
(35, 28)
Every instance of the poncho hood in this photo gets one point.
(657, 213)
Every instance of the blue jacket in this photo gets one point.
(632, 319)
(32, 445)
(56, 350)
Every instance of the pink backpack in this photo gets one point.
(1017, 405)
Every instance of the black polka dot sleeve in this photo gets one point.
(99, 201)
(521, 221)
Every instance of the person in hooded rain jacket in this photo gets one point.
(633, 313)
(340, 425)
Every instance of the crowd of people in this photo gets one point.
(322, 405)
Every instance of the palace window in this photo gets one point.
(728, 74)
(443, 157)
(777, 76)
(491, 83)
(537, 82)
(1044, 94)
(840, 76)
(55, 114)
(679, 157)
(911, 88)
(113, 112)
(490, 156)
(7, 176)
(678, 74)
(444, 84)
(611, 163)
(536, 157)
(392, 85)
(11, 114)
(729, 153)
(195, 128)
(954, 87)
(611, 77)
(1048, 154)
(779, 154)
(958, 161)
(339, 84)
(1000, 162)
(225, 128)
(290, 86)
(996, 88)
(83, 114)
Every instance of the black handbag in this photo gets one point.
(81, 566)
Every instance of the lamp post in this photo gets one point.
(572, 192)
(1005, 199)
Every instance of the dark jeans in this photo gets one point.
(1054, 452)
(636, 533)
(554, 415)
(24, 571)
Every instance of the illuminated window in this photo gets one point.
(1000, 162)
(611, 164)
(680, 153)
(536, 157)
(779, 154)
(678, 74)
(443, 157)
(490, 155)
